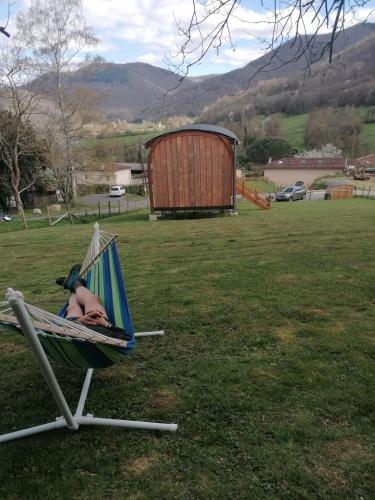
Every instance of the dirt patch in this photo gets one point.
(140, 465)
(287, 278)
(333, 477)
(319, 312)
(339, 326)
(286, 333)
(9, 347)
(163, 399)
(346, 450)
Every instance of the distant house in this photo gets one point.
(290, 170)
(114, 174)
(367, 161)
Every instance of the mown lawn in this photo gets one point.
(268, 363)
(262, 186)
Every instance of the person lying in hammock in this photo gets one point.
(85, 307)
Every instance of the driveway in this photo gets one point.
(113, 204)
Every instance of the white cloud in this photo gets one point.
(238, 57)
(147, 30)
(154, 24)
(151, 58)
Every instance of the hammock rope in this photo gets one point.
(45, 321)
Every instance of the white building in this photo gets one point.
(114, 174)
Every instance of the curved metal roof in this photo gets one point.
(203, 127)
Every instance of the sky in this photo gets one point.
(147, 31)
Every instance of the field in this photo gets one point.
(294, 129)
(262, 186)
(267, 366)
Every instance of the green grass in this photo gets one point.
(294, 130)
(368, 137)
(267, 366)
(262, 186)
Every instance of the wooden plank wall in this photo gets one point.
(343, 192)
(190, 170)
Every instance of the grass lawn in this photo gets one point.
(368, 137)
(267, 367)
(262, 186)
(294, 130)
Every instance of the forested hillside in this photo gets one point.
(348, 80)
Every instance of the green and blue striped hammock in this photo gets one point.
(80, 347)
(76, 345)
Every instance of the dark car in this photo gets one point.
(291, 194)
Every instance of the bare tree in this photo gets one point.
(3, 29)
(57, 33)
(18, 144)
(294, 21)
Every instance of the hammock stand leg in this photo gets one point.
(68, 419)
(149, 334)
(110, 422)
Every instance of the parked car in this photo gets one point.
(291, 194)
(361, 176)
(5, 217)
(300, 184)
(117, 191)
(370, 170)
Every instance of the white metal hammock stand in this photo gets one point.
(30, 318)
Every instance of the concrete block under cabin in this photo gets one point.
(192, 168)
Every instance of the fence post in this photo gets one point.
(127, 204)
(109, 208)
(49, 216)
(118, 204)
(24, 218)
(99, 208)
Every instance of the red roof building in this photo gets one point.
(287, 171)
(367, 161)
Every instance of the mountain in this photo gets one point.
(348, 80)
(192, 100)
(124, 90)
(137, 91)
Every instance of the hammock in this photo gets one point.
(76, 345)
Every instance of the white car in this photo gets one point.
(117, 191)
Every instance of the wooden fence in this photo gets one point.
(341, 192)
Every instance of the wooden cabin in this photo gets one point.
(192, 168)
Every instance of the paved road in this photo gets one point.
(107, 203)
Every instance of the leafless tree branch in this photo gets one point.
(295, 21)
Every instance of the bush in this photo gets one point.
(102, 188)
(271, 147)
(138, 190)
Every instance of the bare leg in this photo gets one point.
(74, 310)
(88, 301)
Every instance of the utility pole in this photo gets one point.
(354, 142)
